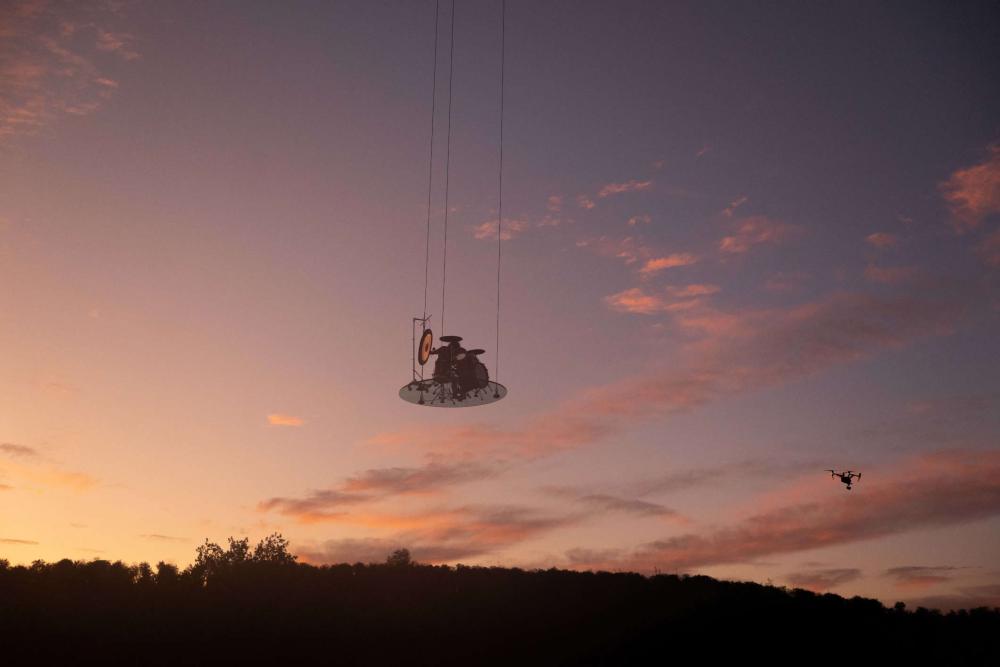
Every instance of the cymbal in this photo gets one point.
(478, 350)
(451, 339)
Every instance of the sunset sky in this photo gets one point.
(743, 243)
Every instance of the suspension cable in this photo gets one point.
(447, 165)
(503, 20)
(430, 167)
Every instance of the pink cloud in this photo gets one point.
(637, 301)
(585, 202)
(674, 299)
(754, 231)
(18, 451)
(882, 239)
(628, 249)
(639, 220)
(657, 264)
(620, 188)
(277, 419)
(732, 353)
(609, 503)
(510, 228)
(33, 472)
(439, 536)
(735, 204)
(377, 484)
(938, 489)
(555, 203)
(692, 290)
(973, 193)
(119, 43)
(46, 70)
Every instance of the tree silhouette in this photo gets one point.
(260, 605)
(399, 558)
(273, 549)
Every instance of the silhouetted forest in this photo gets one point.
(257, 605)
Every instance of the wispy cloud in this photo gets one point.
(973, 193)
(825, 579)
(938, 489)
(656, 264)
(19, 451)
(277, 419)
(33, 471)
(967, 597)
(632, 250)
(619, 188)
(377, 484)
(316, 507)
(510, 228)
(637, 301)
(604, 502)
(755, 231)
(628, 249)
(643, 219)
(680, 480)
(12, 541)
(425, 479)
(585, 202)
(733, 205)
(49, 63)
(439, 536)
(882, 240)
(919, 577)
(733, 353)
(120, 43)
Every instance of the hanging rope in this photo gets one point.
(430, 167)
(447, 165)
(503, 19)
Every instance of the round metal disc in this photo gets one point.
(478, 350)
(439, 395)
(424, 349)
(451, 339)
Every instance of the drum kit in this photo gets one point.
(459, 378)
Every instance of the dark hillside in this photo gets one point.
(261, 606)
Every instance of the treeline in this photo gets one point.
(259, 605)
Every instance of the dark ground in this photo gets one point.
(261, 607)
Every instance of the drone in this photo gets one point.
(459, 378)
(845, 476)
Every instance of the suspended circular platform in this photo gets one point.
(442, 395)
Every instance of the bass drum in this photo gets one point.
(482, 375)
